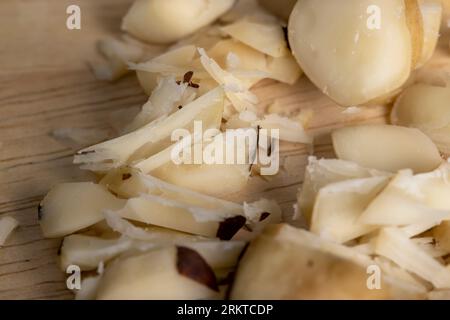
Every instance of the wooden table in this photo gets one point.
(46, 85)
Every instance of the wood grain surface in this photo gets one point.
(46, 85)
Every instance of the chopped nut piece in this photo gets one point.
(70, 207)
(425, 107)
(388, 148)
(7, 226)
(172, 63)
(281, 8)
(412, 199)
(153, 137)
(161, 21)
(395, 245)
(262, 36)
(339, 205)
(322, 172)
(289, 263)
(159, 274)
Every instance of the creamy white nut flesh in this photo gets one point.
(164, 100)
(260, 35)
(7, 226)
(288, 263)
(341, 49)
(322, 172)
(161, 204)
(250, 61)
(412, 199)
(431, 11)
(425, 107)
(155, 136)
(201, 177)
(70, 207)
(422, 106)
(387, 148)
(218, 254)
(281, 8)
(88, 252)
(131, 184)
(169, 273)
(162, 21)
(235, 89)
(339, 206)
(176, 215)
(172, 62)
(393, 244)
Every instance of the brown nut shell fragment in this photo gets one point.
(191, 265)
(229, 227)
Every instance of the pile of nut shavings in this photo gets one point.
(152, 229)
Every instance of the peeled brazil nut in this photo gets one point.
(356, 50)
(162, 21)
(280, 8)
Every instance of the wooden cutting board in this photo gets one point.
(46, 85)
